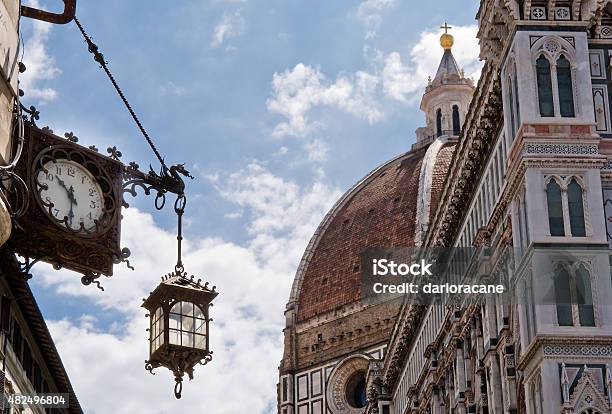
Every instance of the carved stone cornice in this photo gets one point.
(401, 343)
(496, 21)
(579, 344)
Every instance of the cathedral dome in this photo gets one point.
(384, 209)
(331, 336)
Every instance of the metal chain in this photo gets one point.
(99, 57)
(179, 209)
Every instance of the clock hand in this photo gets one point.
(61, 182)
(70, 191)
(72, 197)
(70, 215)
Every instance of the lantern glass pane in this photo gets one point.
(200, 327)
(174, 321)
(185, 320)
(187, 339)
(198, 312)
(175, 338)
(187, 309)
(200, 341)
(157, 329)
(187, 324)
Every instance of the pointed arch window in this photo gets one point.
(456, 120)
(565, 202)
(545, 93)
(563, 297)
(574, 295)
(584, 297)
(513, 101)
(564, 85)
(576, 208)
(439, 122)
(536, 396)
(555, 208)
(511, 105)
(517, 105)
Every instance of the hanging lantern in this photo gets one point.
(179, 332)
(179, 320)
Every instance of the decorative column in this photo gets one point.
(510, 376)
(460, 377)
(495, 385)
(436, 405)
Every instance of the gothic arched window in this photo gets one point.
(574, 295)
(545, 95)
(516, 100)
(456, 123)
(438, 122)
(555, 209)
(576, 209)
(563, 297)
(584, 297)
(564, 85)
(536, 396)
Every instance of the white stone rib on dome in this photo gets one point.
(424, 195)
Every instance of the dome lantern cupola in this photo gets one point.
(447, 96)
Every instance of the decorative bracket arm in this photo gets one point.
(168, 180)
(56, 18)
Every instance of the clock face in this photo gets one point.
(75, 195)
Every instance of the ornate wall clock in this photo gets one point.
(74, 205)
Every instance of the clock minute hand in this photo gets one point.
(72, 197)
(72, 204)
(71, 214)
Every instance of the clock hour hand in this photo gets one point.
(69, 191)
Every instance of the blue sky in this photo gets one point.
(277, 107)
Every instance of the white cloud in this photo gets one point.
(253, 279)
(317, 150)
(370, 14)
(171, 88)
(40, 66)
(231, 25)
(406, 82)
(281, 151)
(296, 91)
(366, 95)
(370, 96)
(234, 215)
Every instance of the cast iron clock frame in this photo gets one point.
(38, 235)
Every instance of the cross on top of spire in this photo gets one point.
(446, 40)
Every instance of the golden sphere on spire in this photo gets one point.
(446, 41)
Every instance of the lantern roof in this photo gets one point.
(178, 287)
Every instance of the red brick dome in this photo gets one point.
(379, 211)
